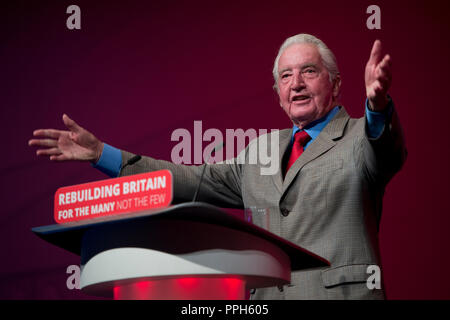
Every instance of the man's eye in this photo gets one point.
(285, 75)
(309, 71)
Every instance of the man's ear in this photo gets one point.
(337, 86)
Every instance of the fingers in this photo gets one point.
(60, 157)
(385, 64)
(378, 77)
(49, 133)
(49, 143)
(43, 142)
(375, 54)
(383, 72)
(378, 88)
(374, 90)
(48, 152)
(70, 124)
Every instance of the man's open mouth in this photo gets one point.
(300, 98)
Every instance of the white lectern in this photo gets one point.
(186, 251)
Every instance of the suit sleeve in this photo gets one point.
(382, 157)
(221, 183)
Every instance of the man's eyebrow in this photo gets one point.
(285, 69)
(307, 65)
(303, 66)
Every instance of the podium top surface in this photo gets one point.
(69, 235)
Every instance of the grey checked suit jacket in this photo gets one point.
(330, 201)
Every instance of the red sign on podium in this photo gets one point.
(113, 196)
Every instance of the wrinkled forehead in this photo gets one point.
(299, 55)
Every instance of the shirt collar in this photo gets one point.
(314, 128)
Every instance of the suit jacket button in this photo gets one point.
(284, 212)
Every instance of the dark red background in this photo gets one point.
(138, 70)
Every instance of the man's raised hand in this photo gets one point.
(76, 144)
(378, 78)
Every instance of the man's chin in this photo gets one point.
(302, 115)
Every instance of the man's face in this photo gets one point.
(305, 91)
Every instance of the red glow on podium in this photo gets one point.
(202, 288)
(187, 283)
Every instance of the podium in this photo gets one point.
(187, 251)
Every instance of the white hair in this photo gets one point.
(328, 58)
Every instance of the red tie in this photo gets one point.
(300, 140)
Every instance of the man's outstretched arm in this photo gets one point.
(383, 146)
(221, 185)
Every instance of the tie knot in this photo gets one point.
(301, 137)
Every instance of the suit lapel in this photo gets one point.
(324, 142)
(285, 139)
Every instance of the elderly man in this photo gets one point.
(327, 195)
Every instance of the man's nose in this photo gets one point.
(297, 82)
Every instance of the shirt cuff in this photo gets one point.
(110, 161)
(376, 120)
